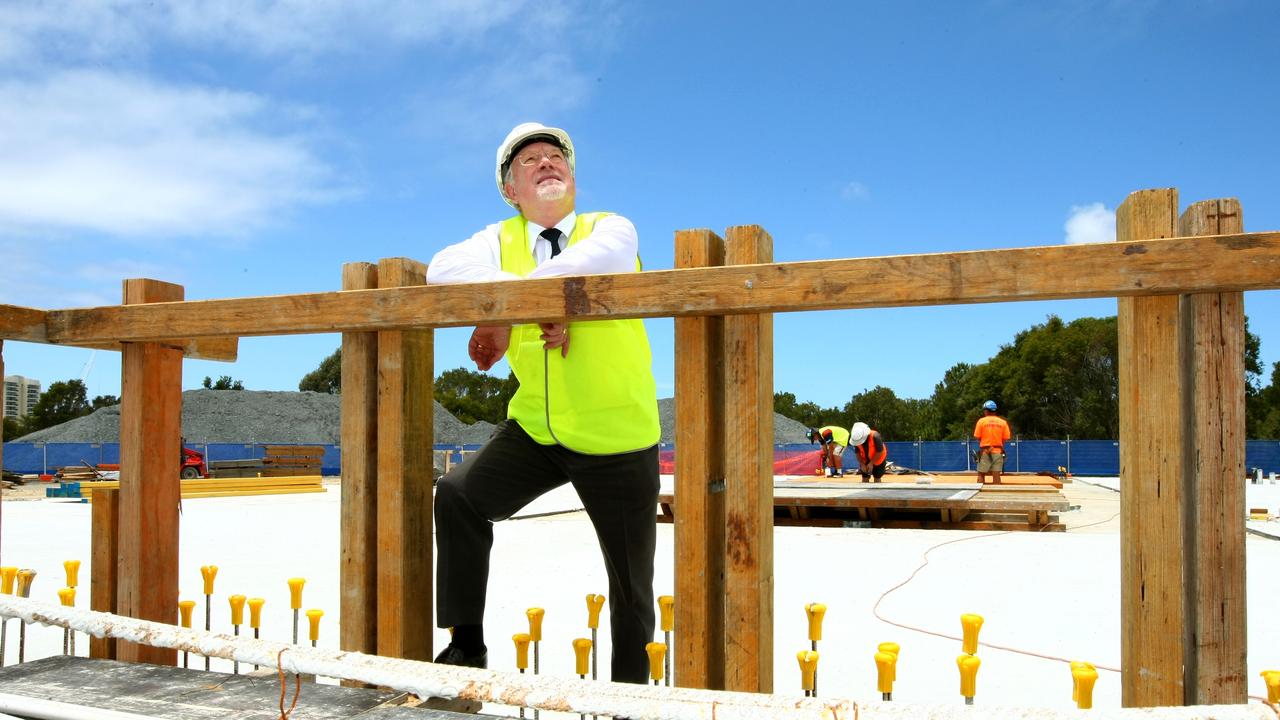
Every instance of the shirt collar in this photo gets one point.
(565, 225)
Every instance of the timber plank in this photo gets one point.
(1149, 267)
(1153, 432)
(1216, 527)
(150, 442)
(358, 563)
(404, 486)
(103, 572)
(698, 658)
(748, 467)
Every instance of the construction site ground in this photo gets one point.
(1056, 594)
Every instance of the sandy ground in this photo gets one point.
(1056, 594)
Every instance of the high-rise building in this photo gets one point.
(20, 396)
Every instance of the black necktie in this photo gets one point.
(553, 235)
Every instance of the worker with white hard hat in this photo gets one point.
(585, 412)
(991, 431)
(871, 452)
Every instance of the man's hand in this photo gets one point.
(555, 335)
(488, 344)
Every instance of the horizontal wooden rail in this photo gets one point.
(30, 324)
(1244, 261)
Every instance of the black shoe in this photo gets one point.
(454, 655)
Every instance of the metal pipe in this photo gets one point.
(40, 709)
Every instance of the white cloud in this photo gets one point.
(126, 155)
(78, 30)
(855, 191)
(1092, 223)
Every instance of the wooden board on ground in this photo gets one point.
(170, 692)
(831, 502)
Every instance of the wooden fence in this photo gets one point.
(1181, 325)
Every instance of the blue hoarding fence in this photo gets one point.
(1078, 457)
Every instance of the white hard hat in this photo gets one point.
(520, 135)
(858, 433)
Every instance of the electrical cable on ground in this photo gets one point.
(284, 684)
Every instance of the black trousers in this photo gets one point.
(620, 494)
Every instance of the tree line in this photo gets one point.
(1055, 380)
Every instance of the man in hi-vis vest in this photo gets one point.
(586, 411)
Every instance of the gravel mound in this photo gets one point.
(284, 417)
(785, 430)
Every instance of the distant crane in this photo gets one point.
(88, 365)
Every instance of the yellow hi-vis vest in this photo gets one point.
(599, 400)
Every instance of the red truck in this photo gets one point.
(193, 465)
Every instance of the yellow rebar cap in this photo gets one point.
(815, 611)
(295, 592)
(73, 572)
(255, 612)
(67, 596)
(184, 611)
(893, 649)
(208, 572)
(594, 603)
(237, 609)
(522, 650)
(657, 651)
(582, 655)
(667, 611)
(1083, 677)
(885, 662)
(968, 665)
(808, 660)
(1272, 679)
(535, 615)
(313, 616)
(7, 576)
(26, 576)
(971, 624)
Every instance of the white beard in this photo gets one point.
(551, 190)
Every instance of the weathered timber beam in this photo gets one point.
(1245, 261)
(30, 325)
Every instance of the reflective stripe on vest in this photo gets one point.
(601, 399)
(866, 446)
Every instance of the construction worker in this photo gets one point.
(870, 450)
(585, 412)
(834, 440)
(991, 432)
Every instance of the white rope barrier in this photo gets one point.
(564, 694)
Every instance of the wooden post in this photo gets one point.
(699, 481)
(150, 452)
(358, 579)
(748, 467)
(405, 438)
(1215, 557)
(105, 529)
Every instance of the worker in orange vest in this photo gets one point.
(991, 432)
(870, 450)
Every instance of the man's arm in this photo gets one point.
(476, 259)
(610, 248)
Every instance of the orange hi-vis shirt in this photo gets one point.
(991, 432)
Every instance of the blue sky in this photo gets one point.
(252, 148)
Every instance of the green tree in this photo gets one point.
(896, 418)
(14, 428)
(222, 383)
(1263, 409)
(102, 401)
(63, 401)
(807, 413)
(472, 396)
(327, 378)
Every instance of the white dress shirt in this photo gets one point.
(610, 248)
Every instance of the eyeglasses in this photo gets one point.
(530, 159)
